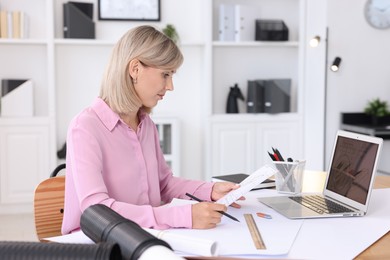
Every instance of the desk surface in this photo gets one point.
(314, 182)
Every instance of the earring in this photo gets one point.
(134, 81)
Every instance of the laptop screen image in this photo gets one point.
(352, 168)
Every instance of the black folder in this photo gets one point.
(78, 20)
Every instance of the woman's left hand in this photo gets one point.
(220, 189)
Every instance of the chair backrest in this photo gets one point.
(49, 207)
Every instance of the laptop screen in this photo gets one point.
(352, 168)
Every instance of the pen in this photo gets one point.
(278, 155)
(223, 213)
(263, 215)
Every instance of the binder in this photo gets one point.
(255, 96)
(269, 96)
(245, 22)
(16, 97)
(78, 20)
(226, 22)
(277, 96)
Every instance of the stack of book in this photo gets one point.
(13, 24)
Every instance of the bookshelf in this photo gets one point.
(66, 74)
(238, 143)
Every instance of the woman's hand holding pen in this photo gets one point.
(205, 215)
(208, 214)
(220, 189)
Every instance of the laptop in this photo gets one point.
(348, 182)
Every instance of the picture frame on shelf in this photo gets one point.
(129, 10)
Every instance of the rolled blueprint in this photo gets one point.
(187, 244)
(102, 224)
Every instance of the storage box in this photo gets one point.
(271, 30)
(16, 98)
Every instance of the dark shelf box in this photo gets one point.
(364, 119)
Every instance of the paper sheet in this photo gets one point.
(344, 238)
(234, 239)
(77, 237)
(246, 185)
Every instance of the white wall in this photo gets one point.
(365, 68)
(314, 92)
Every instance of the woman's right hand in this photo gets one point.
(205, 215)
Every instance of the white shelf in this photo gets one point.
(98, 42)
(23, 42)
(91, 42)
(247, 117)
(4, 121)
(256, 44)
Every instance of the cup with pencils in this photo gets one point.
(289, 174)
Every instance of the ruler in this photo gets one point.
(254, 231)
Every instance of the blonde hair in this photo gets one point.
(152, 48)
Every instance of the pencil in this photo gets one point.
(223, 213)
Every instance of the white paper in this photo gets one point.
(186, 243)
(234, 239)
(246, 185)
(77, 237)
(344, 238)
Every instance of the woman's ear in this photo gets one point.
(134, 68)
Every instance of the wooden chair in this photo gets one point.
(49, 205)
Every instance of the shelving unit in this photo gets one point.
(239, 142)
(27, 143)
(66, 74)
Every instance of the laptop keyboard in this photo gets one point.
(320, 204)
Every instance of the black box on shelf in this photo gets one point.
(78, 20)
(359, 118)
(271, 30)
(269, 96)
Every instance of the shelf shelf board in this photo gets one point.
(256, 44)
(29, 121)
(84, 42)
(23, 41)
(95, 42)
(248, 117)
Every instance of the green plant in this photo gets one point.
(376, 107)
(171, 32)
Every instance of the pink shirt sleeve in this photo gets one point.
(109, 163)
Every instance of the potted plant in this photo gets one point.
(378, 110)
(171, 32)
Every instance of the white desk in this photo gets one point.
(314, 182)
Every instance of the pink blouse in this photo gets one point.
(108, 163)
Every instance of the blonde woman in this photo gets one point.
(113, 151)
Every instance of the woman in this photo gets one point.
(113, 151)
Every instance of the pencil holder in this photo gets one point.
(289, 176)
